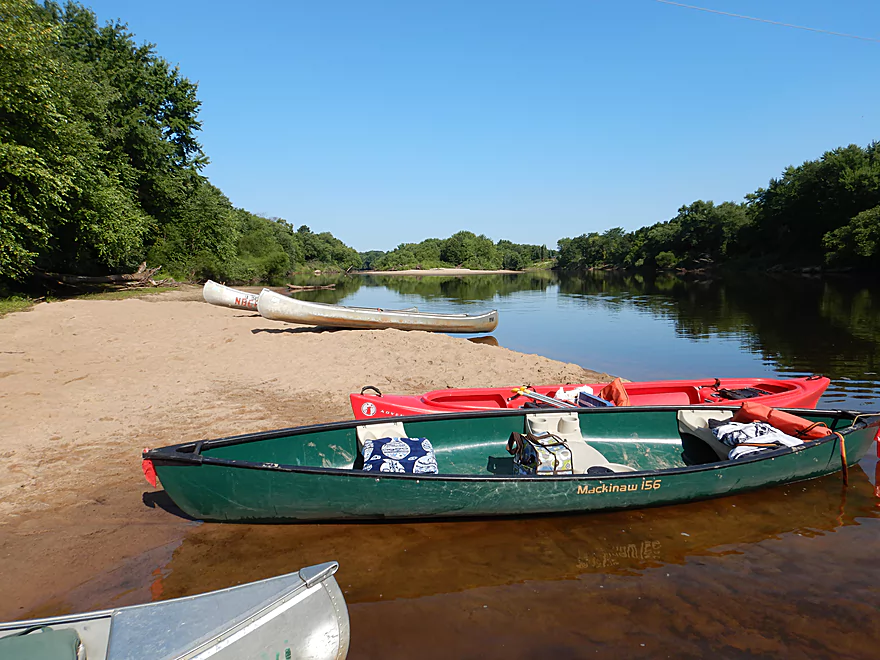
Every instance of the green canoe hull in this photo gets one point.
(272, 476)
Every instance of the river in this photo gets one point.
(663, 327)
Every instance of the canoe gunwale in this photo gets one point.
(189, 452)
(309, 580)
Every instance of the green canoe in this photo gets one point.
(649, 456)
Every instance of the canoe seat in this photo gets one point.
(696, 423)
(42, 642)
(377, 431)
(567, 426)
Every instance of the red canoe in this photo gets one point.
(786, 393)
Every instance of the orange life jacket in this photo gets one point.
(615, 393)
(798, 427)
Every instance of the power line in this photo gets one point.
(764, 20)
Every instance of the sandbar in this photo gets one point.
(85, 385)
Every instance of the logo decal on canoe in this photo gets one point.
(249, 301)
(647, 484)
(368, 408)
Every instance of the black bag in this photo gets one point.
(741, 393)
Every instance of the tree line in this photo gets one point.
(101, 170)
(463, 249)
(100, 167)
(825, 212)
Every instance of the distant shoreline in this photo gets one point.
(441, 271)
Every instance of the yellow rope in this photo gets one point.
(843, 458)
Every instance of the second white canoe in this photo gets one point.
(283, 308)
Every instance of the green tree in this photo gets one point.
(55, 184)
(666, 260)
(795, 212)
(369, 257)
(857, 242)
(459, 248)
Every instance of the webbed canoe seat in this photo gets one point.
(567, 426)
(695, 423)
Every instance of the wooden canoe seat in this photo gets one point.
(695, 422)
(567, 426)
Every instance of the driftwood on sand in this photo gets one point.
(142, 277)
(315, 287)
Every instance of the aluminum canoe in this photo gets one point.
(299, 615)
(218, 294)
(277, 307)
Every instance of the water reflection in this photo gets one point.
(409, 560)
(799, 325)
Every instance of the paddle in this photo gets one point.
(524, 391)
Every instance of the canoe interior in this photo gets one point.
(476, 445)
(669, 393)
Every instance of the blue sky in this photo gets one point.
(394, 121)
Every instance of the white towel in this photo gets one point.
(734, 434)
(571, 396)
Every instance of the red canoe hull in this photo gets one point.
(783, 393)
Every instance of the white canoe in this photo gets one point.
(225, 296)
(284, 308)
(299, 615)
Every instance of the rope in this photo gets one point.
(843, 459)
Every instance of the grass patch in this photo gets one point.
(15, 304)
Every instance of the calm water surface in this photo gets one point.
(790, 571)
(667, 327)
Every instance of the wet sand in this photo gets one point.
(86, 384)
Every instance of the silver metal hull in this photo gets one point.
(299, 615)
(283, 308)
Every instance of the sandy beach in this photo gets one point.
(86, 384)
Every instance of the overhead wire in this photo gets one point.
(764, 20)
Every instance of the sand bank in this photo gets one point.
(86, 384)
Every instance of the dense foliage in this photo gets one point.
(100, 167)
(463, 250)
(826, 210)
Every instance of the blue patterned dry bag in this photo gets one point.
(414, 455)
